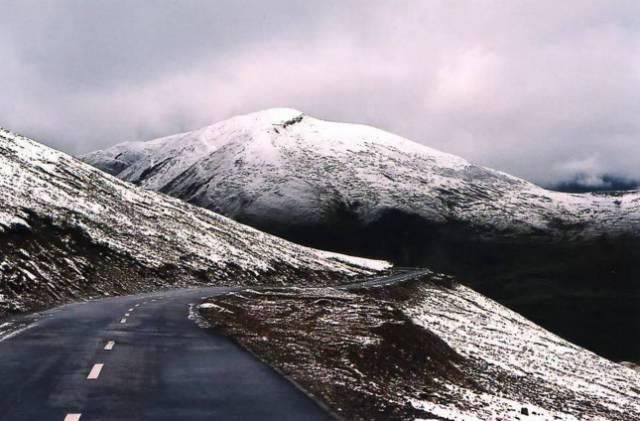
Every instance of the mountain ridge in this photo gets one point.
(71, 231)
(358, 190)
(277, 138)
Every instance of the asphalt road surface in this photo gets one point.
(396, 277)
(138, 358)
(142, 357)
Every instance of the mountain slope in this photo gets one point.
(68, 230)
(566, 261)
(281, 164)
(424, 349)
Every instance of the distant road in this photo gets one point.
(140, 357)
(397, 276)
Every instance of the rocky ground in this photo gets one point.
(427, 349)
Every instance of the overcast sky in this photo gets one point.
(543, 90)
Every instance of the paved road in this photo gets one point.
(398, 276)
(140, 357)
(158, 365)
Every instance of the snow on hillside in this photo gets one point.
(285, 166)
(427, 349)
(539, 370)
(50, 200)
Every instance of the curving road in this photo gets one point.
(138, 358)
(141, 357)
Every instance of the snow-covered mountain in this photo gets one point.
(566, 261)
(281, 167)
(68, 230)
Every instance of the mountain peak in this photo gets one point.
(269, 117)
(278, 115)
(280, 164)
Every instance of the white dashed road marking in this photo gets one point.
(109, 346)
(72, 417)
(95, 372)
(127, 314)
(123, 321)
(131, 309)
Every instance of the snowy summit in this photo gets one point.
(281, 166)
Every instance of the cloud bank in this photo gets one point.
(542, 90)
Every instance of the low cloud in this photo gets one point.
(543, 90)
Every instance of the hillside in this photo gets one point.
(427, 349)
(567, 261)
(69, 231)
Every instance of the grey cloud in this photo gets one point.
(539, 89)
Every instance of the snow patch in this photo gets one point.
(197, 318)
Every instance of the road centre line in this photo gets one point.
(95, 371)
